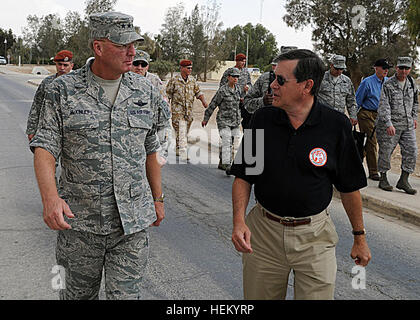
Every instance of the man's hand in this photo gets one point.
(268, 99)
(241, 238)
(415, 124)
(360, 251)
(205, 104)
(246, 88)
(390, 131)
(160, 214)
(30, 137)
(54, 211)
(203, 123)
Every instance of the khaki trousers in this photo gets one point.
(366, 121)
(308, 250)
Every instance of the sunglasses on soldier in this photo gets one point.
(139, 62)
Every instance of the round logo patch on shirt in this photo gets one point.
(318, 157)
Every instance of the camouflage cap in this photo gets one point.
(285, 49)
(142, 56)
(234, 72)
(404, 62)
(339, 62)
(115, 26)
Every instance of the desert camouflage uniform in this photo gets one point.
(254, 98)
(181, 94)
(397, 108)
(164, 131)
(338, 95)
(228, 119)
(103, 150)
(35, 111)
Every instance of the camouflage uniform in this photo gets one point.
(181, 95)
(398, 108)
(254, 98)
(228, 119)
(103, 150)
(338, 95)
(33, 117)
(164, 131)
(244, 79)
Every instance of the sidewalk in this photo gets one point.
(397, 203)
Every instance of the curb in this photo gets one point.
(387, 208)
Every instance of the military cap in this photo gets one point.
(63, 56)
(115, 26)
(382, 63)
(339, 62)
(234, 72)
(142, 56)
(404, 62)
(240, 57)
(285, 49)
(185, 63)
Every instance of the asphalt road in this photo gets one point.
(191, 255)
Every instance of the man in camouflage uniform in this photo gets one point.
(244, 84)
(228, 119)
(260, 94)
(63, 64)
(337, 90)
(141, 65)
(397, 123)
(101, 120)
(181, 91)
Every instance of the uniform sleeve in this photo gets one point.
(50, 127)
(170, 89)
(350, 175)
(351, 102)
(416, 102)
(215, 102)
(197, 91)
(384, 108)
(34, 113)
(254, 98)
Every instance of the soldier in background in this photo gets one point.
(101, 120)
(141, 65)
(181, 91)
(397, 123)
(244, 84)
(260, 94)
(337, 90)
(227, 98)
(63, 64)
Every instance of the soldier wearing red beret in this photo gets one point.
(63, 64)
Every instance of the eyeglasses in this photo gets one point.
(281, 80)
(404, 68)
(137, 63)
(189, 68)
(339, 69)
(235, 76)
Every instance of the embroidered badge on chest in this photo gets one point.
(318, 157)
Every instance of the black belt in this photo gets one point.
(289, 222)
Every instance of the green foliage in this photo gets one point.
(162, 68)
(413, 19)
(337, 29)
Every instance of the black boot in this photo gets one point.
(404, 185)
(383, 182)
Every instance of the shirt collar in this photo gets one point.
(313, 118)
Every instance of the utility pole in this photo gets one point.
(5, 48)
(247, 46)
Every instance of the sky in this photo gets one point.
(149, 15)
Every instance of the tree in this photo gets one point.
(11, 40)
(172, 40)
(413, 19)
(363, 30)
(262, 45)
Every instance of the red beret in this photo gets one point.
(240, 57)
(185, 63)
(63, 56)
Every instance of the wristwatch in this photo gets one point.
(160, 199)
(359, 232)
